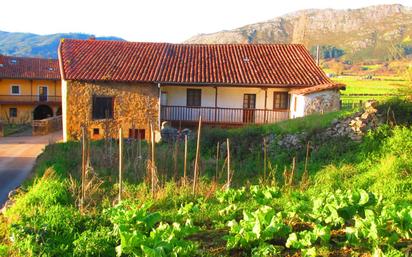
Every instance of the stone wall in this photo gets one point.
(324, 101)
(134, 105)
(46, 126)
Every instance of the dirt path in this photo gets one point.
(18, 154)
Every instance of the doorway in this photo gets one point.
(42, 112)
(249, 105)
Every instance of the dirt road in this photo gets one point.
(17, 157)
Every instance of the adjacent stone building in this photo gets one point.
(107, 85)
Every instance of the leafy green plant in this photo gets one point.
(261, 225)
(231, 195)
(141, 234)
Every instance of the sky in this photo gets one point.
(153, 20)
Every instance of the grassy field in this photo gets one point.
(378, 85)
(354, 199)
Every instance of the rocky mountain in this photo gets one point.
(375, 32)
(28, 44)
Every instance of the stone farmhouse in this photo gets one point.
(29, 89)
(112, 84)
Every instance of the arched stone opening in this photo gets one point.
(42, 112)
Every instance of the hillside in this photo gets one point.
(375, 32)
(33, 45)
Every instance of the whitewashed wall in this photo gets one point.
(324, 101)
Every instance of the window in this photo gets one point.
(137, 134)
(13, 112)
(194, 97)
(96, 131)
(15, 89)
(102, 107)
(280, 100)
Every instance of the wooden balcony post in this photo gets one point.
(266, 99)
(215, 104)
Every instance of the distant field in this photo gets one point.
(378, 85)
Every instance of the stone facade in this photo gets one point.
(320, 102)
(134, 105)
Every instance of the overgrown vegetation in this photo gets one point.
(355, 197)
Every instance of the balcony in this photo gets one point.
(222, 116)
(30, 99)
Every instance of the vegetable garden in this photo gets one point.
(355, 198)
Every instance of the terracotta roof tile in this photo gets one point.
(232, 64)
(318, 88)
(28, 68)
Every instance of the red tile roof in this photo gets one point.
(28, 68)
(318, 88)
(228, 64)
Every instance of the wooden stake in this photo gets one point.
(217, 160)
(307, 156)
(185, 163)
(196, 171)
(264, 159)
(120, 163)
(228, 162)
(175, 157)
(153, 161)
(292, 174)
(83, 168)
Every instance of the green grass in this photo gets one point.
(385, 85)
(10, 129)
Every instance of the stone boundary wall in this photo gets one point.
(46, 126)
(134, 105)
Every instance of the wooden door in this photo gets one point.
(249, 106)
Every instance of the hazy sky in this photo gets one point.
(153, 20)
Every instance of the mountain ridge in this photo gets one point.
(365, 33)
(33, 45)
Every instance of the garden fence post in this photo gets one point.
(83, 167)
(185, 163)
(153, 161)
(120, 163)
(228, 162)
(264, 159)
(217, 160)
(196, 170)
